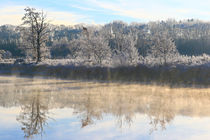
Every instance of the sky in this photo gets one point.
(71, 12)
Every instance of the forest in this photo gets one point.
(158, 43)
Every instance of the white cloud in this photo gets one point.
(153, 10)
(13, 14)
(136, 9)
(65, 18)
(85, 8)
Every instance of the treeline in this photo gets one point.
(116, 42)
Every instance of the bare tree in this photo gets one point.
(38, 30)
(163, 48)
(92, 47)
(124, 49)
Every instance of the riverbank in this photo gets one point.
(179, 75)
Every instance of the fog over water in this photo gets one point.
(38, 108)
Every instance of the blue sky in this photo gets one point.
(103, 11)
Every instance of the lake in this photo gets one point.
(52, 109)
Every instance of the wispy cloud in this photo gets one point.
(66, 18)
(133, 10)
(85, 8)
(154, 10)
(13, 14)
(103, 11)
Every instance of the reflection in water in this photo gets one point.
(88, 114)
(33, 116)
(160, 119)
(92, 102)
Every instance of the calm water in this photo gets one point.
(75, 110)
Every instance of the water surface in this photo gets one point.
(36, 108)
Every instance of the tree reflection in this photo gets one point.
(92, 101)
(160, 112)
(160, 120)
(33, 117)
(89, 113)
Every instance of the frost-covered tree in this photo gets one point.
(5, 54)
(163, 48)
(92, 47)
(124, 51)
(36, 30)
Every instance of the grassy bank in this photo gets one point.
(176, 76)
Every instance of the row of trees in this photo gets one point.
(112, 44)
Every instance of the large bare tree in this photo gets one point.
(37, 25)
(164, 47)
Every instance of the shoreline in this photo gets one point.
(184, 76)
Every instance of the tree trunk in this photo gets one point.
(165, 60)
(38, 58)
